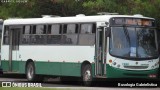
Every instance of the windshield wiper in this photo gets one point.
(127, 34)
(133, 50)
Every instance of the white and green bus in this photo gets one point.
(1, 25)
(101, 46)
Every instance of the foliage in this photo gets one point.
(36, 8)
(149, 8)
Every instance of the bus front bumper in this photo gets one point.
(120, 73)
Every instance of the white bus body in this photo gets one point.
(78, 46)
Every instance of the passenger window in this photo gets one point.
(70, 34)
(86, 28)
(71, 29)
(54, 35)
(87, 34)
(39, 34)
(55, 30)
(26, 34)
(27, 29)
(40, 29)
(6, 36)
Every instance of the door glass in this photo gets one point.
(15, 39)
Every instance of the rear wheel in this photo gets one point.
(30, 71)
(87, 75)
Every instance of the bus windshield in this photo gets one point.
(133, 42)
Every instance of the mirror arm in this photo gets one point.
(108, 31)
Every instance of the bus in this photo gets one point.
(86, 47)
(1, 24)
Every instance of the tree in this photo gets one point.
(69, 7)
(12, 9)
(36, 8)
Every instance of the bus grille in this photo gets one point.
(136, 67)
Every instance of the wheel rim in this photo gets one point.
(30, 72)
(87, 75)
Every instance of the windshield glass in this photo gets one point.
(133, 42)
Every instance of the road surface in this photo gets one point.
(111, 85)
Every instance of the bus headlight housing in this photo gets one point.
(156, 64)
(118, 65)
(114, 63)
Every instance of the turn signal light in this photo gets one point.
(110, 61)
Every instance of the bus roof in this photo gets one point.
(73, 19)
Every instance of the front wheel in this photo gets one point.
(87, 75)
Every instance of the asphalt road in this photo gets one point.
(110, 84)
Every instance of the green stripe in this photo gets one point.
(120, 73)
(58, 68)
(17, 66)
(73, 69)
(5, 65)
(46, 68)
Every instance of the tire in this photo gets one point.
(30, 72)
(87, 75)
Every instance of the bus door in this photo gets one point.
(100, 50)
(14, 39)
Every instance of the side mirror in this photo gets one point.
(108, 31)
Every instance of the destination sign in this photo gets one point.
(132, 21)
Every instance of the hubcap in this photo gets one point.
(87, 76)
(30, 72)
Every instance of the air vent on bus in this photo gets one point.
(138, 15)
(49, 16)
(136, 67)
(80, 15)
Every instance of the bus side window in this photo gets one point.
(32, 34)
(6, 36)
(87, 34)
(54, 35)
(39, 37)
(64, 29)
(26, 34)
(70, 34)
